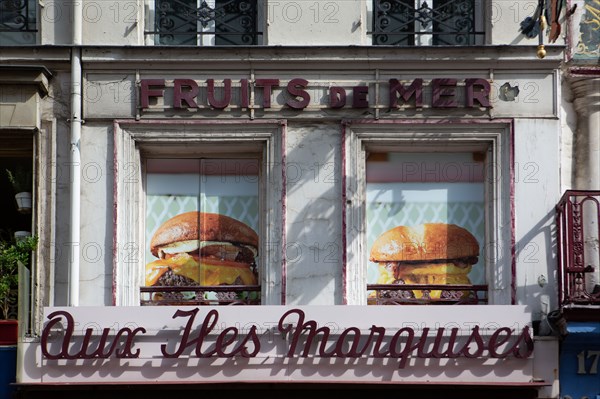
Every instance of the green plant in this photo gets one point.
(11, 253)
(20, 178)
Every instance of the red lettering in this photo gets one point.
(443, 93)
(525, 337)
(360, 97)
(494, 343)
(180, 96)
(295, 88)
(68, 333)
(474, 337)
(414, 90)
(223, 341)
(224, 102)
(100, 352)
(337, 97)
(244, 97)
(449, 353)
(377, 348)
(146, 90)
(482, 96)
(352, 352)
(183, 341)
(251, 336)
(408, 348)
(267, 85)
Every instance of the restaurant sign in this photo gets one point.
(282, 343)
(184, 93)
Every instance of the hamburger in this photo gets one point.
(203, 249)
(432, 253)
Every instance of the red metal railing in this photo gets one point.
(431, 294)
(578, 253)
(200, 295)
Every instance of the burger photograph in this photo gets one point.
(425, 225)
(431, 253)
(203, 249)
(202, 218)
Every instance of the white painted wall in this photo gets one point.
(96, 255)
(313, 214)
(316, 22)
(304, 22)
(537, 191)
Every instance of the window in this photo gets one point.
(202, 218)
(427, 22)
(198, 214)
(428, 215)
(18, 22)
(205, 22)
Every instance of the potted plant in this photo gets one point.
(11, 253)
(21, 179)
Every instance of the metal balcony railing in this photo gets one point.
(196, 22)
(18, 17)
(427, 22)
(578, 252)
(430, 294)
(200, 295)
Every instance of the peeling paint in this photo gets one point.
(508, 92)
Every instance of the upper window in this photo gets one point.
(428, 215)
(18, 22)
(198, 214)
(205, 22)
(427, 22)
(426, 226)
(202, 219)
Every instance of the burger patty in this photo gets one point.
(230, 252)
(460, 262)
(170, 279)
(233, 252)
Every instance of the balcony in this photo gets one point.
(427, 294)
(427, 22)
(200, 295)
(578, 253)
(18, 22)
(202, 23)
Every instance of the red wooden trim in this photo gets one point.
(283, 214)
(513, 244)
(344, 225)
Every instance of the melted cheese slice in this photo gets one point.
(204, 273)
(426, 273)
(193, 245)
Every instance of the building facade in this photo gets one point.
(313, 162)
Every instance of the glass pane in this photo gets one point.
(236, 22)
(425, 219)
(457, 17)
(202, 218)
(18, 22)
(393, 22)
(175, 21)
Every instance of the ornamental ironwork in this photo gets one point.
(427, 22)
(18, 21)
(197, 22)
(441, 294)
(200, 295)
(578, 253)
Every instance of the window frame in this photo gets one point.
(28, 27)
(397, 135)
(481, 26)
(206, 34)
(133, 139)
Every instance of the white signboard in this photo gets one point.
(467, 344)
